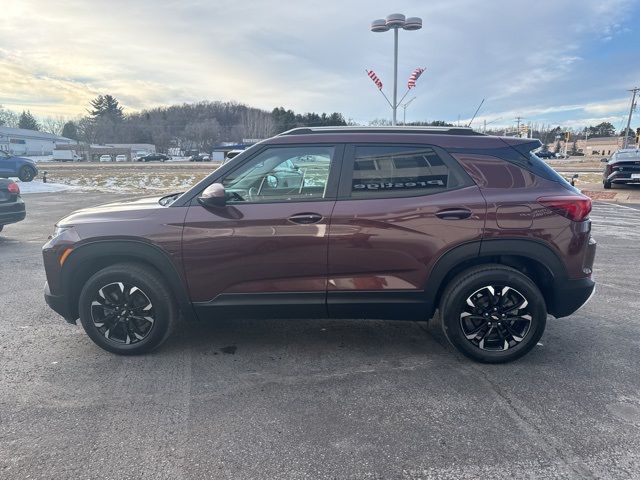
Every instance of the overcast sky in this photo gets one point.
(567, 62)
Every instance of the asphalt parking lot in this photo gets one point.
(317, 399)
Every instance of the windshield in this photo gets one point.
(633, 155)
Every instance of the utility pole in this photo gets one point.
(633, 104)
(518, 127)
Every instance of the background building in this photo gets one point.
(93, 152)
(603, 146)
(19, 141)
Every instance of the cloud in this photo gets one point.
(311, 55)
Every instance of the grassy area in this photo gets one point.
(129, 178)
(151, 178)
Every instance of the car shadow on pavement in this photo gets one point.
(240, 337)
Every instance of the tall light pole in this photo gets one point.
(395, 22)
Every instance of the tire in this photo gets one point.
(127, 309)
(1, 227)
(607, 185)
(26, 173)
(486, 326)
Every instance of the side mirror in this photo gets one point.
(213, 196)
(272, 181)
(604, 160)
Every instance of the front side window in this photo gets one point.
(401, 171)
(281, 174)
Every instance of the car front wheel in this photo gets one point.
(127, 309)
(493, 314)
(26, 173)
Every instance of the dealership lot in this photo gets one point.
(317, 399)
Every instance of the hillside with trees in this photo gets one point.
(198, 125)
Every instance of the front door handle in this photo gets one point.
(305, 218)
(453, 214)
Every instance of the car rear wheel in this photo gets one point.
(127, 309)
(493, 314)
(26, 173)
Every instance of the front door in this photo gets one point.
(400, 208)
(265, 252)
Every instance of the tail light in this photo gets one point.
(14, 188)
(573, 207)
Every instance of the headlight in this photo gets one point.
(59, 229)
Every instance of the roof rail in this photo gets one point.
(402, 129)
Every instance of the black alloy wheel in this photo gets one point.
(493, 313)
(496, 317)
(123, 313)
(127, 308)
(26, 173)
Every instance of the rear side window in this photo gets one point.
(381, 171)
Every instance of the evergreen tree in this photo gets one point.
(28, 121)
(106, 106)
(70, 130)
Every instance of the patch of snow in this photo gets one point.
(40, 158)
(39, 187)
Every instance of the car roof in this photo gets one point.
(378, 130)
(446, 137)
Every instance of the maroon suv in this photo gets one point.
(347, 222)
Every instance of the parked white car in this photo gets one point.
(121, 158)
(106, 158)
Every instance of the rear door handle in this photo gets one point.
(454, 214)
(305, 218)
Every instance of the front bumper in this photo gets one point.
(58, 304)
(12, 212)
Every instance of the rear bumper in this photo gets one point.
(570, 295)
(57, 303)
(622, 177)
(12, 212)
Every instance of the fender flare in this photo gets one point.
(87, 254)
(476, 250)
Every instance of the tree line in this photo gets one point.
(188, 126)
(204, 124)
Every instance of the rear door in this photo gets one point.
(399, 208)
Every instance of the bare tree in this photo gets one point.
(53, 125)
(8, 118)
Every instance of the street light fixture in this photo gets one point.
(394, 22)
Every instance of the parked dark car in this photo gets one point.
(13, 166)
(545, 154)
(333, 222)
(200, 157)
(11, 205)
(622, 168)
(154, 157)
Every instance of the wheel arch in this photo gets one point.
(531, 257)
(92, 257)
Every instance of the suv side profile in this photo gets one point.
(338, 222)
